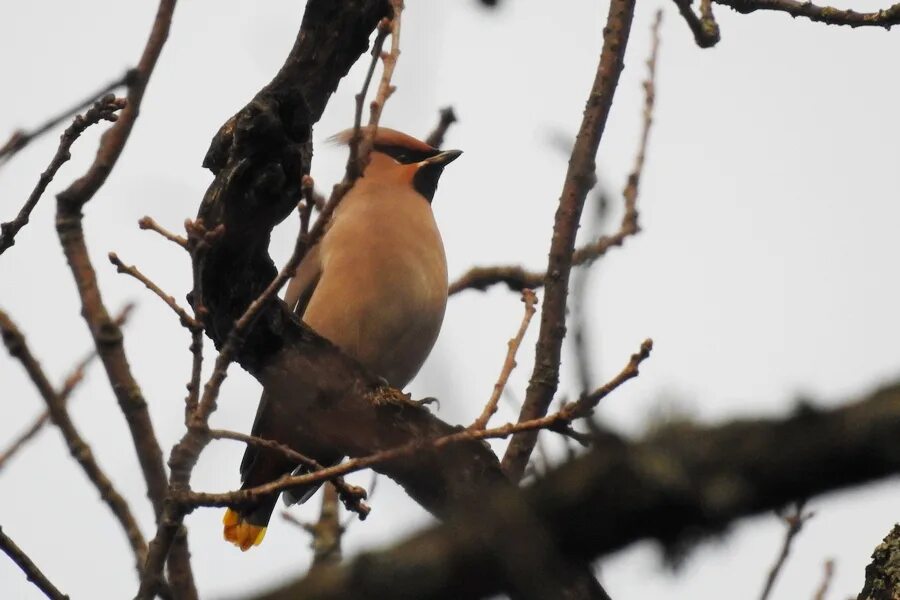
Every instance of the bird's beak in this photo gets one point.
(444, 158)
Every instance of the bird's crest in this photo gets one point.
(385, 138)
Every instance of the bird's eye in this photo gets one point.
(402, 158)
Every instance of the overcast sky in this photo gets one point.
(767, 268)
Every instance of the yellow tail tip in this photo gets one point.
(241, 533)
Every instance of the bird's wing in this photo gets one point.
(303, 284)
(297, 296)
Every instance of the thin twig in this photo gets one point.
(793, 524)
(19, 139)
(30, 569)
(186, 319)
(80, 451)
(103, 110)
(827, 574)
(148, 223)
(352, 496)
(356, 162)
(446, 118)
(518, 278)
(579, 180)
(557, 421)
(71, 381)
(705, 29)
(886, 18)
(327, 531)
(530, 300)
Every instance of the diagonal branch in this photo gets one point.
(518, 278)
(579, 180)
(885, 18)
(80, 451)
(19, 139)
(69, 384)
(530, 300)
(30, 569)
(103, 110)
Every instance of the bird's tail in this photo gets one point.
(240, 531)
(246, 528)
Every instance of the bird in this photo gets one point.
(375, 286)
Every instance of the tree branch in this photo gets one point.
(883, 573)
(103, 110)
(680, 482)
(579, 180)
(886, 18)
(530, 300)
(80, 451)
(30, 569)
(71, 382)
(19, 139)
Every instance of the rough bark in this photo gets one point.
(679, 483)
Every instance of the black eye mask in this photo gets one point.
(405, 155)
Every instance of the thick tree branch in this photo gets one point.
(680, 482)
(883, 573)
(579, 181)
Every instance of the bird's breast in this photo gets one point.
(383, 290)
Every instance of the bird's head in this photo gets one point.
(400, 158)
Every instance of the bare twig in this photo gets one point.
(518, 278)
(352, 496)
(578, 182)
(827, 574)
(80, 451)
(446, 118)
(28, 567)
(530, 300)
(704, 27)
(69, 384)
(558, 421)
(186, 319)
(148, 223)
(886, 18)
(104, 109)
(19, 139)
(356, 162)
(793, 524)
(327, 531)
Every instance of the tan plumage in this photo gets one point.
(375, 286)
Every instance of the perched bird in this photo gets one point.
(375, 286)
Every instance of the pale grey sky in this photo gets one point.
(766, 268)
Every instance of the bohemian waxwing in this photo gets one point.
(375, 286)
